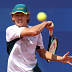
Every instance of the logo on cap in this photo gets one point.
(20, 8)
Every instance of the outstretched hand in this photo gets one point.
(67, 59)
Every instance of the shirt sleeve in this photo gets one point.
(40, 42)
(13, 33)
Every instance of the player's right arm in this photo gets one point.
(35, 30)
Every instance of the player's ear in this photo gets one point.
(28, 15)
(12, 16)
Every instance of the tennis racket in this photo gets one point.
(53, 44)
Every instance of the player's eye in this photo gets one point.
(17, 15)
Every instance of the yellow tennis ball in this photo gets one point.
(41, 16)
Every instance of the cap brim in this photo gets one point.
(19, 11)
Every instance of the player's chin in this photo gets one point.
(19, 25)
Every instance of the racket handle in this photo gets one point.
(51, 33)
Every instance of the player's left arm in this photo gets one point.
(49, 56)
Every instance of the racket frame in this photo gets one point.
(49, 44)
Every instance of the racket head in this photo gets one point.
(52, 46)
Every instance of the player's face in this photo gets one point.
(20, 19)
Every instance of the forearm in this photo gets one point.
(49, 56)
(33, 31)
(38, 28)
(52, 57)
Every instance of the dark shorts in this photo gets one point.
(36, 69)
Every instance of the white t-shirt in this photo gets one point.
(22, 57)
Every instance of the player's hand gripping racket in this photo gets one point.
(53, 44)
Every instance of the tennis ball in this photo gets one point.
(41, 16)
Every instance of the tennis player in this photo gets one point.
(22, 56)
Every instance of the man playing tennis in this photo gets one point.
(22, 57)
